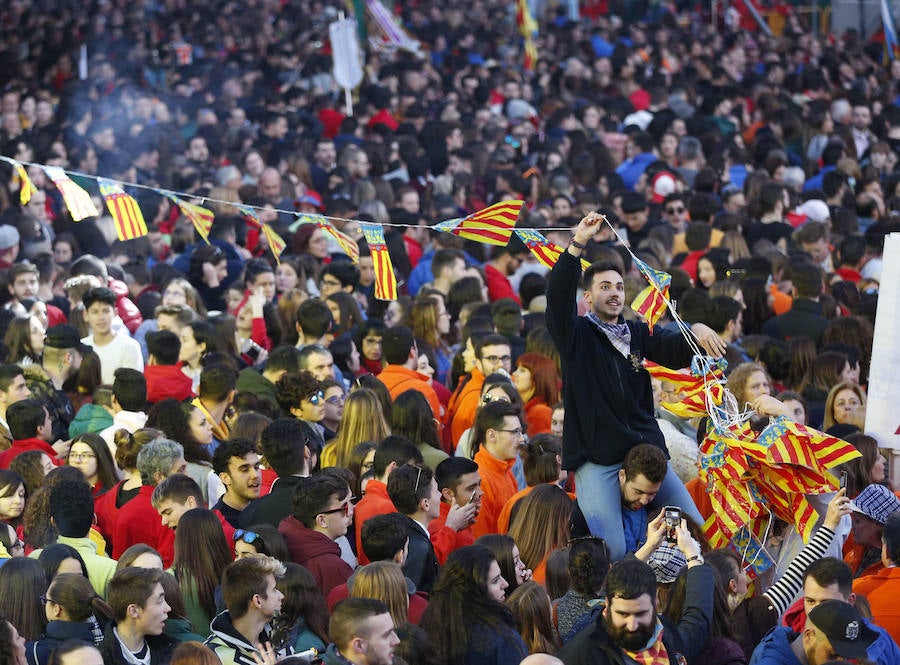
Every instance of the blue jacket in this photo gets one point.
(775, 648)
(631, 169)
(57, 632)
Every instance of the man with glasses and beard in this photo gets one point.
(630, 630)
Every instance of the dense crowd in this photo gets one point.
(212, 455)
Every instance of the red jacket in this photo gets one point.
(164, 381)
(138, 522)
(105, 511)
(24, 445)
(444, 539)
(498, 285)
(316, 552)
(375, 502)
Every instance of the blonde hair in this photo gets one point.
(363, 420)
(384, 581)
(541, 524)
(858, 417)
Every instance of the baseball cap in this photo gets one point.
(876, 502)
(9, 236)
(842, 624)
(666, 561)
(815, 210)
(65, 336)
(311, 197)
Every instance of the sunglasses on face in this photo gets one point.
(674, 211)
(344, 508)
(315, 398)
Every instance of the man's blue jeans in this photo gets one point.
(600, 499)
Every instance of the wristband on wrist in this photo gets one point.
(577, 244)
(696, 557)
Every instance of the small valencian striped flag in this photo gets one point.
(124, 210)
(493, 225)
(276, 242)
(26, 187)
(200, 217)
(347, 243)
(546, 252)
(76, 199)
(385, 278)
(651, 302)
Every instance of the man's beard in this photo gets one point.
(627, 639)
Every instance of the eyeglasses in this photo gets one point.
(18, 545)
(498, 359)
(675, 211)
(315, 398)
(44, 600)
(336, 400)
(418, 477)
(331, 282)
(515, 432)
(247, 536)
(593, 539)
(487, 399)
(344, 508)
(81, 457)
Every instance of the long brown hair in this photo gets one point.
(384, 580)
(201, 554)
(363, 420)
(530, 604)
(302, 599)
(541, 524)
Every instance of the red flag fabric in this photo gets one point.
(124, 209)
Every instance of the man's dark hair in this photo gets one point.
(383, 536)
(314, 317)
(852, 250)
(630, 579)
(254, 268)
(350, 616)
(832, 183)
(282, 443)
(811, 232)
(397, 449)
(228, 449)
(597, 267)
(588, 564)
(24, 418)
(216, 381)
(490, 339)
(829, 570)
(832, 153)
(293, 387)
(164, 346)
(177, 487)
(344, 272)
(807, 279)
(891, 536)
(449, 473)
(697, 236)
(407, 486)
(490, 416)
(88, 264)
(130, 389)
(444, 258)
(314, 494)
(71, 507)
(647, 460)
(396, 344)
(99, 294)
(722, 309)
(131, 586)
(8, 374)
(283, 358)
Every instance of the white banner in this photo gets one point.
(882, 412)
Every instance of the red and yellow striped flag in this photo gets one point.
(76, 199)
(528, 28)
(275, 241)
(200, 217)
(493, 225)
(346, 243)
(385, 278)
(26, 187)
(546, 252)
(124, 210)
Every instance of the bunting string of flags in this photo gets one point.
(385, 277)
(125, 211)
(26, 187)
(76, 199)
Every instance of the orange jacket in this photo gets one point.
(399, 379)
(882, 590)
(375, 502)
(463, 405)
(538, 416)
(498, 485)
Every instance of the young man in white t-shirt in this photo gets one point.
(115, 348)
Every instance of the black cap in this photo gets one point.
(64, 336)
(845, 629)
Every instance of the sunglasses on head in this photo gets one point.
(248, 537)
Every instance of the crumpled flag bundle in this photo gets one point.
(693, 388)
(749, 475)
(651, 303)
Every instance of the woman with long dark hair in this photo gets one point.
(23, 582)
(412, 417)
(208, 273)
(13, 496)
(303, 621)
(185, 423)
(466, 616)
(90, 455)
(201, 554)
